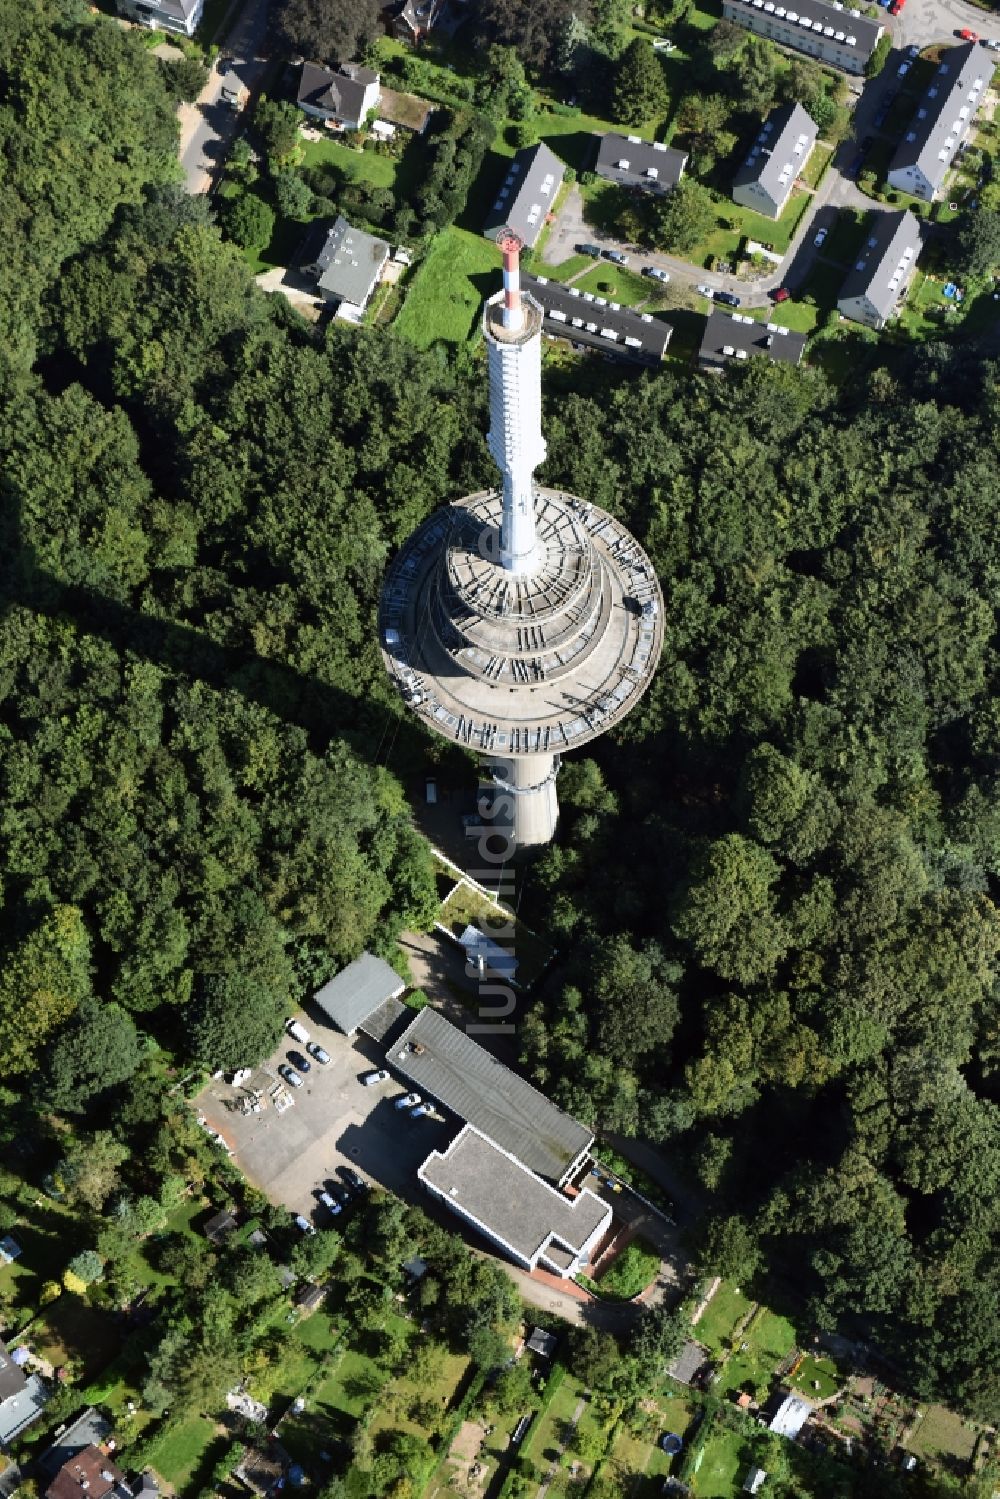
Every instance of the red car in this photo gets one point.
(896, 7)
(968, 36)
(781, 295)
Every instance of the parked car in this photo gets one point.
(903, 69)
(730, 298)
(821, 236)
(856, 165)
(913, 51)
(706, 291)
(351, 1176)
(654, 272)
(992, 43)
(371, 1078)
(664, 44)
(296, 1031)
(420, 1110)
(781, 295)
(618, 257)
(329, 1203)
(867, 143)
(594, 251)
(299, 1062)
(408, 1100)
(315, 1050)
(968, 35)
(291, 1076)
(896, 7)
(304, 1225)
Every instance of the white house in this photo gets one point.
(344, 98)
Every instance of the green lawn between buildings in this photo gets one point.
(726, 1310)
(445, 298)
(179, 1450)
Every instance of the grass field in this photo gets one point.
(357, 166)
(445, 298)
(941, 1434)
(626, 287)
(724, 1312)
(722, 1465)
(179, 1450)
(816, 1378)
(769, 1338)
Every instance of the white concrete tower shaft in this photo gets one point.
(512, 326)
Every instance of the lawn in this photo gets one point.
(816, 1378)
(768, 1339)
(724, 1312)
(817, 164)
(626, 287)
(720, 1465)
(724, 242)
(180, 1448)
(941, 1434)
(357, 166)
(445, 298)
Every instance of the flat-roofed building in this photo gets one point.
(512, 1207)
(359, 992)
(877, 282)
(527, 194)
(942, 121)
(632, 162)
(777, 157)
(733, 338)
(832, 33)
(600, 323)
(443, 1062)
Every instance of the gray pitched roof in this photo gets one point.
(589, 319)
(779, 152)
(891, 245)
(526, 194)
(350, 262)
(490, 1186)
(732, 337)
(12, 1379)
(342, 92)
(933, 134)
(629, 155)
(358, 991)
(837, 22)
(444, 1062)
(89, 1429)
(17, 1411)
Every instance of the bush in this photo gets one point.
(87, 1266)
(248, 221)
(186, 77)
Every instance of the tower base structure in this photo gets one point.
(520, 800)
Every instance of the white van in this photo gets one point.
(296, 1031)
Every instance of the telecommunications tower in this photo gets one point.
(520, 622)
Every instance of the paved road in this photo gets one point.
(208, 126)
(922, 22)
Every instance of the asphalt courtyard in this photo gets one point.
(335, 1121)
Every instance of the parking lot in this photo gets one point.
(334, 1121)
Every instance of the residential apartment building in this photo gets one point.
(632, 162)
(942, 122)
(831, 33)
(877, 282)
(777, 157)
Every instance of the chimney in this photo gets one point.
(510, 246)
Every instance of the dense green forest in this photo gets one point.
(776, 889)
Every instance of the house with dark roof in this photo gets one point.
(632, 162)
(89, 1429)
(942, 121)
(12, 1377)
(412, 20)
(347, 265)
(358, 992)
(89, 1474)
(532, 1222)
(777, 157)
(445, 1064)
(218, 1228)
(527, 194)
(733, 338)
(590, 321)
(345, 97)
(830, 32)
(180, 16)
(877, 282)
